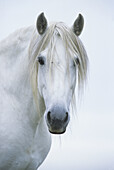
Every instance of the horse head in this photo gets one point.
(59, 61)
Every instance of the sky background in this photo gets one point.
(88, 143)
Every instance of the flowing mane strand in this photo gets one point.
(72, 44)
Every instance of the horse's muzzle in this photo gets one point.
(57, 119)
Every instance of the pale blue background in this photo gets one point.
(89, 141)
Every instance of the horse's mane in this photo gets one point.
(72, 44)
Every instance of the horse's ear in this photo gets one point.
(41, 23)
(78, 25)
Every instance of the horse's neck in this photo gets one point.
(13, 62)
(14, 73)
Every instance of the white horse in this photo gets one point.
(38, 73)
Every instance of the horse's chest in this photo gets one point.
(21, 146)
(15, 144)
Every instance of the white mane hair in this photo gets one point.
(73, 45)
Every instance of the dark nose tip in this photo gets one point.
(50, 118)
(57, 119)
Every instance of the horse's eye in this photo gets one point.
(41, 60)
(77, 61)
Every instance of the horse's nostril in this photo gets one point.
(66, 118)
(49, 116)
